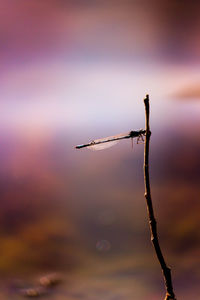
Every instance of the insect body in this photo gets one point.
(110, 141)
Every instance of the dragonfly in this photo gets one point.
(110, 141)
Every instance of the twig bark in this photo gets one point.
(152, 221)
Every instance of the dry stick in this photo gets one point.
(152, 221)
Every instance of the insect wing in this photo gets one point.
(107, 142)
(101, 146)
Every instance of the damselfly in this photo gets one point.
(110, 141)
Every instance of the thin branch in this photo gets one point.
(152, 221)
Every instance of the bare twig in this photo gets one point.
(152, 221)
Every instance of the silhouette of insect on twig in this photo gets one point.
(110, 141)
(140, 134)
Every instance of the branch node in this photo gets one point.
(153, 222)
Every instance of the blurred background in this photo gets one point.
(73, 71)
